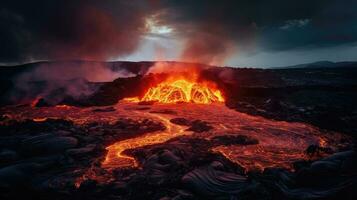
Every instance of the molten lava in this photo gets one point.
(41, 119)
(63, 106)
(183, 91)
(116, 156)
(280, 143)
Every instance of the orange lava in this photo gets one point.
(181, 90)
(258, 158)
(63, 106)
(116, 157)
(132, 99)
(280, 143)
(35, 101)
(41, 119)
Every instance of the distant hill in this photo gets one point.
(322, 64)
(9, 72)
(142, 67)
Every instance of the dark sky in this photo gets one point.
(225, 32)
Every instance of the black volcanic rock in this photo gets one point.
(142, 126)
(7, 155)
(164, 111)
(317, 151)
(107, 109)
(162, 167)
(23, 173)
(81, 151)
(46, 144)
(33, 128)
(110, 93)
(181, 121)
(333, 177)
(16, 175)
(199, 126)
(213, 182)
(42, 103)
(234, 139)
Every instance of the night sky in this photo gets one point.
(254, 33)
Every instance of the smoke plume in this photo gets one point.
(56, 81)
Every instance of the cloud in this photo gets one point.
(153, 26)
(65, 29)
(296, 23)
(211, 31)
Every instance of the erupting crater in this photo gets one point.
(182, 90)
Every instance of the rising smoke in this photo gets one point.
(56, 81)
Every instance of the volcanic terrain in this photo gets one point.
(176, 137)
(127, 142)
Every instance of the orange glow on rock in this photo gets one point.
(41, 119)
(63, 106)
(280, 143)
(35, 101)
(182, 90)
(132, 99)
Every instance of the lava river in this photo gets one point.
(116, 157)
(279, 143)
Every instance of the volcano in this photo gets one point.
(209, 100)
(180, 135)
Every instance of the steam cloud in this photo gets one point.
(175, 67)
(56, 81)
(214, 52)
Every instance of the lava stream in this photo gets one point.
(280, 143)
(116, 157)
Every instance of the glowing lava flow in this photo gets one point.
(183, 91)
(116, 157)
(280, 143)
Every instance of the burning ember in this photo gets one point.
(181, 90)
